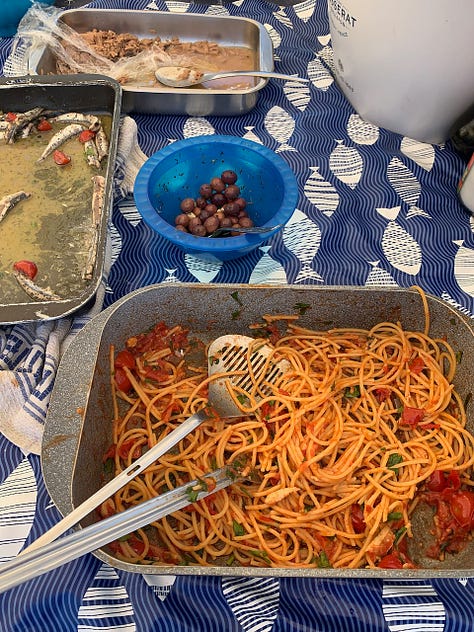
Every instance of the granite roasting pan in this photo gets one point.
(89, 94)
(187, 27)
(78, 424)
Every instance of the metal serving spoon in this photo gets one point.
(182, 77)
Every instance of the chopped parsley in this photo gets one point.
(238, 528)
(399, 533)
(352, 392)
(302, 308)
(263, 555)
(393, 461)
(322, 560)
(109, 466)
(192, 492)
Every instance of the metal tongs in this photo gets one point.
(38, 561)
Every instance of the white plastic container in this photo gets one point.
(407, 66)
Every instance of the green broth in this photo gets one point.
(53, 227)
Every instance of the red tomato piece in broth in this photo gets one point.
(28, 268)
(86, 135)
(60, 158)
(44, 126)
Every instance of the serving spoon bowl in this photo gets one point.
(183, 77)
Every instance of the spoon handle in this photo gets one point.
(253, 73)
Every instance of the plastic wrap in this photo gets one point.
(40, 28)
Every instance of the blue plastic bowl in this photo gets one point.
(11, 13)
(177, 171)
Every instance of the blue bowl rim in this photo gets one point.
(223, 244)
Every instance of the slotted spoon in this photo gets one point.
(226, 354)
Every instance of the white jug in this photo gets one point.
(408, 65)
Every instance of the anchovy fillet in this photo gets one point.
(35, 291)
(60, 138)
(102, 143)
(22, 119)
(91, 153)
(9, 201)
(98, 192)
(87, 120)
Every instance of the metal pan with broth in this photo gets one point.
(55, 193)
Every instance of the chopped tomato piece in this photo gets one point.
(122, 381)
(44, 126)
(440, 481)
(382, 394)
(10, 117)
(60, 158)
(155, 374)
(110, 454)
(115, 546)
(125, 358)
(357, 518)
(86, 135)
(137, 545)
(125, 448)
(29, 268)
(412, 416)
(462, 507)
(168, 411)
(416, 365)
(390, 561)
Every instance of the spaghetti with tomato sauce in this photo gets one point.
(335, 455)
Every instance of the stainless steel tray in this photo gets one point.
(78, 426)
(83, 93)
(226, 31)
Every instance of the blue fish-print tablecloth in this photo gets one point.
(374, 208)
